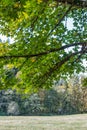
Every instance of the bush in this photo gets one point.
(13, 108)
(32, 105)
(51, 101)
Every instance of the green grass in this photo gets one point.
(69, 122)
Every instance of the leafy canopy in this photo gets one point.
(44, 48)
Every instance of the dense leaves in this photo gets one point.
(44, 48)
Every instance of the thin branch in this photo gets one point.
(42, 53)
(79, 3)
(57, 66)
(60, 20)
(79, 57)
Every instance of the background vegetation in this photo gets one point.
(63, 98)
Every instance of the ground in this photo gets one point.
(69, 122)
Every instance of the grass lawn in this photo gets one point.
(69, 122)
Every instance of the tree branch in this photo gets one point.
(79, 3)
(42, 53)
(57, 66)
(60, 20)
(79, 57)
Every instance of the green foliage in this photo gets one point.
(42, 42)
(85, 82)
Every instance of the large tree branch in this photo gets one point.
(42, 53)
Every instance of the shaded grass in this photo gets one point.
(69, 122)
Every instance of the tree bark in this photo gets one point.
(80, 3)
